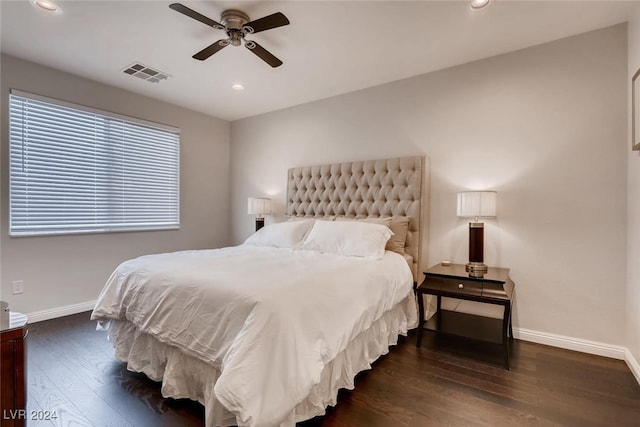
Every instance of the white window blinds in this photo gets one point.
(78, 170)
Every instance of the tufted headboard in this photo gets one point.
(372, 188)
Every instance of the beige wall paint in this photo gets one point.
(65, 270)
(633, 210)
(544, 126)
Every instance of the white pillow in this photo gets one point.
(311, 218)
(399, 226)
(281, 234)
(349, 238)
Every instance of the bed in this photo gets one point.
(267, 332)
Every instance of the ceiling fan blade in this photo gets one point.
(211, 49)
(268, 22)
(263, 53)
(195, 15)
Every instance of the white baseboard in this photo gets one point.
(570, 343)
(633, 364)
(39, 316)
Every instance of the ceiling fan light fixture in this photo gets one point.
(47, 6)
(237, 87)
(479, 4)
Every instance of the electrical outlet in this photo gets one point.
(17, 286)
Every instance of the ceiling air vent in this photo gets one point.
(145, 73)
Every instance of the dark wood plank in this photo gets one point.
(53, 399)
(78, 391)
(449, 381)
(34, 408)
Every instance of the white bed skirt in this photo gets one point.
(183, 376)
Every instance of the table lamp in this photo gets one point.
(476, 204)
(259, 207)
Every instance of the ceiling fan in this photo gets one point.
(237, 25)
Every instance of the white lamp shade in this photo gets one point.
(477, 204)
(258, 207)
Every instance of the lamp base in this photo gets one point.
(476, 269)
(259, 223)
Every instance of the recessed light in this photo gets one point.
(47, 6)
(237, 86)
(479, 4)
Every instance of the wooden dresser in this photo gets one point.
(13, 371)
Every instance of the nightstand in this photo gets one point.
(13, 370)
(495, 287)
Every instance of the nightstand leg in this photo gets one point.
(420, 317)
(505, 340)
(439, 313)
(510, 326)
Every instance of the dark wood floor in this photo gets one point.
(448, 382)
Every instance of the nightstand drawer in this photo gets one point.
(493, 290)
(462, 286)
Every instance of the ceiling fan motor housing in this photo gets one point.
(234, 20)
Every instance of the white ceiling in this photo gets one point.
(331, 47)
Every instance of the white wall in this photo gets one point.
(633, 211)
(544, 126)
(65, 270)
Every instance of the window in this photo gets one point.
(78, 170)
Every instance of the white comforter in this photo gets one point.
(269, 319)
